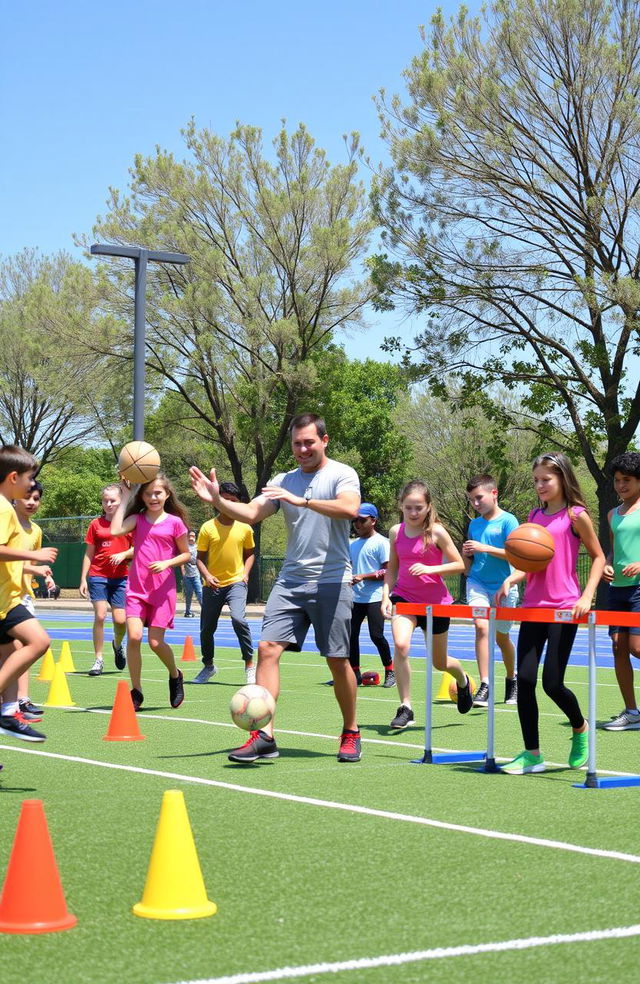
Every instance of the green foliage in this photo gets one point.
(511, 218)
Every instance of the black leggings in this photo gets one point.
(375, 621)
(531, 640)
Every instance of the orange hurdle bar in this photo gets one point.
(548, 615)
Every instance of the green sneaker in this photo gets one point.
(523, 763)
(579, 753)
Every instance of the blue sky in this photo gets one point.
(86, 86)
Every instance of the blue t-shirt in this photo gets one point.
(368, 554)
(487, 570)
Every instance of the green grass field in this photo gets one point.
(312, 862)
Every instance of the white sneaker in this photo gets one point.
(205, 674)
(251, 674)
(624, 721)
(97, 668)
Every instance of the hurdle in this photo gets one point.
(549, 615)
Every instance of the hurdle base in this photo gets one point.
(448, 757)
(490, 765)
(606, 782)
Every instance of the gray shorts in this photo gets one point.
(291, 608)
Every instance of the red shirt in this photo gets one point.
(99, 534)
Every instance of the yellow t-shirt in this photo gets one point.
(32, 541)
(11, 571)
(225, 546)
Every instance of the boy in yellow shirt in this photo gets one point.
(22, 638)
(225, 557)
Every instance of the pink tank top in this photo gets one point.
(557, 585)
(428, 589)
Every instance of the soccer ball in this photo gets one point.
(252, 707)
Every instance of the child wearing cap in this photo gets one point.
(369, 559)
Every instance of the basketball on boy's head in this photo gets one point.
(138, 462)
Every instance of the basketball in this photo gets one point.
(453, 688)
(370, 679)
(138, 462)
(529, 548)
(252, 707)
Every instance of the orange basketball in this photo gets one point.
(453, 688)
(529, 548)
(139, 462)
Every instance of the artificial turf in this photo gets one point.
(300, 882)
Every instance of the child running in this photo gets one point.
(421, 551)
(563, 513)
(104, 578)
(158, 521)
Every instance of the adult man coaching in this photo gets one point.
(318, 499)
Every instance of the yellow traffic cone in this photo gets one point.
(174, 888)
(66, 659)
(443, 693)
(59, 694)
(47, 667)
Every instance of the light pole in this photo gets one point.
(140, 257)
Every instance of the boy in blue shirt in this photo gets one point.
(369, 558)
(486, 567)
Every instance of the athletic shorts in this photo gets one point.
(13, 617)
(440, 625)
(109, 589)
(152, 616)
(291, 608)
(477, 594)
(624, 600)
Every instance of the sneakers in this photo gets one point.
(176, 690)
(16, 727)
(481, 697)
(205, 674)
(465, 700)
(190, 615)
(137, 698)
(349, 747)
(97, 668)
(624, 721)
(579, 753)
(259, 745)
(511, 691)
(524, 763)
(403, 718)
(389, 679)
(119, 656)
(251, 674)
(29, 711)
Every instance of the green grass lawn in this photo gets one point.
(298, 878)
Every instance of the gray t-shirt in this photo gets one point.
(317, 546)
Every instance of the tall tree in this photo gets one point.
(273, 240)
(511, 214)
(47, 383)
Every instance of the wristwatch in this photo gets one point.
(308, 495)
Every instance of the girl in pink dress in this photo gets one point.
(563, 512)
(157, 520)
(421, 551)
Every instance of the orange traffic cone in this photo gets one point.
(188, 652)
(123, 723)
(32, 862)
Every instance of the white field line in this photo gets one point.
(346, 807)
(438, 953)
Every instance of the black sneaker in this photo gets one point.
(176, 690)
(389, 679)
(119, 657)
(137, 698)
(349, 747)
(465, 700)
(511, 691)
(481, 698)
(16, 727)
(403, 718)
(29, 711)
(259, 745)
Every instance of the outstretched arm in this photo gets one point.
(208, 490)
